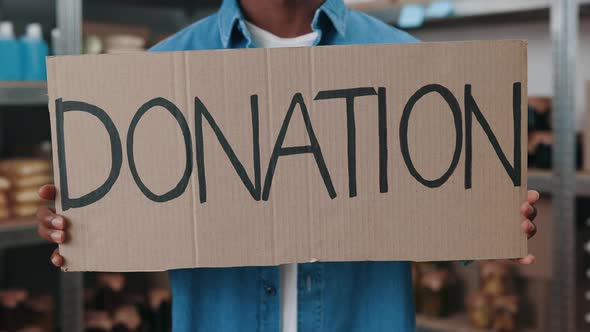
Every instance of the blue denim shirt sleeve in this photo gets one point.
(345, 296)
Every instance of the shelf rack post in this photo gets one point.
(564, 33)
(71, 306)
(69, 24)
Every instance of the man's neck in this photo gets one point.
(284, 18)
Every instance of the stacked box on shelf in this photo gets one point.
(540, 135)
(24, 176)
(4, 206)
(112, 306)
(22, 311)
(436, 287)
(495, 304)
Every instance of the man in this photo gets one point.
(331, 297)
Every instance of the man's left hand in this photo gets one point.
(529, 212)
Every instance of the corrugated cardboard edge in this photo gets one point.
(52, 63)
(524, 129)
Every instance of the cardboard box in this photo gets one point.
(271, 156)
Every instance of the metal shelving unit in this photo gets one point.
(564, 32)
(23, 93)
(545, 182)
(69, 23)
(18, 233)
(389, 11)
(541, 180)
(23, 232)
(563, 183)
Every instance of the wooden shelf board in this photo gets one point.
(16, 93)
(19, 232)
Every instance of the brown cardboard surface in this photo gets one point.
(312, 212)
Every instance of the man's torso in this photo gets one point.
(344, 296)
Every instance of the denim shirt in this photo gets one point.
(332, 297)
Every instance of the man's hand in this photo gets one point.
(529, 212)
(52, 227)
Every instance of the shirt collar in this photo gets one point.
(336, 12)
(230, 15)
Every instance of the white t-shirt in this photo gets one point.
(265, 39)
(288, 287)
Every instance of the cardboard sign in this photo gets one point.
(271, 156)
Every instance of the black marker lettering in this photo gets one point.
(472, 108)
(61, 108)
(349, 95)
(177, 114)
(313, 148)
(403, 133)
(202, 112)
(383, 183)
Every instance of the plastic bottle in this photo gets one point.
(10, 54)
(55, 40)
(35, 50)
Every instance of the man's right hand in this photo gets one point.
(52, 227)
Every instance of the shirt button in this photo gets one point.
(270, 291)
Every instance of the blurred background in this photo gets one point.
(552, 295)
